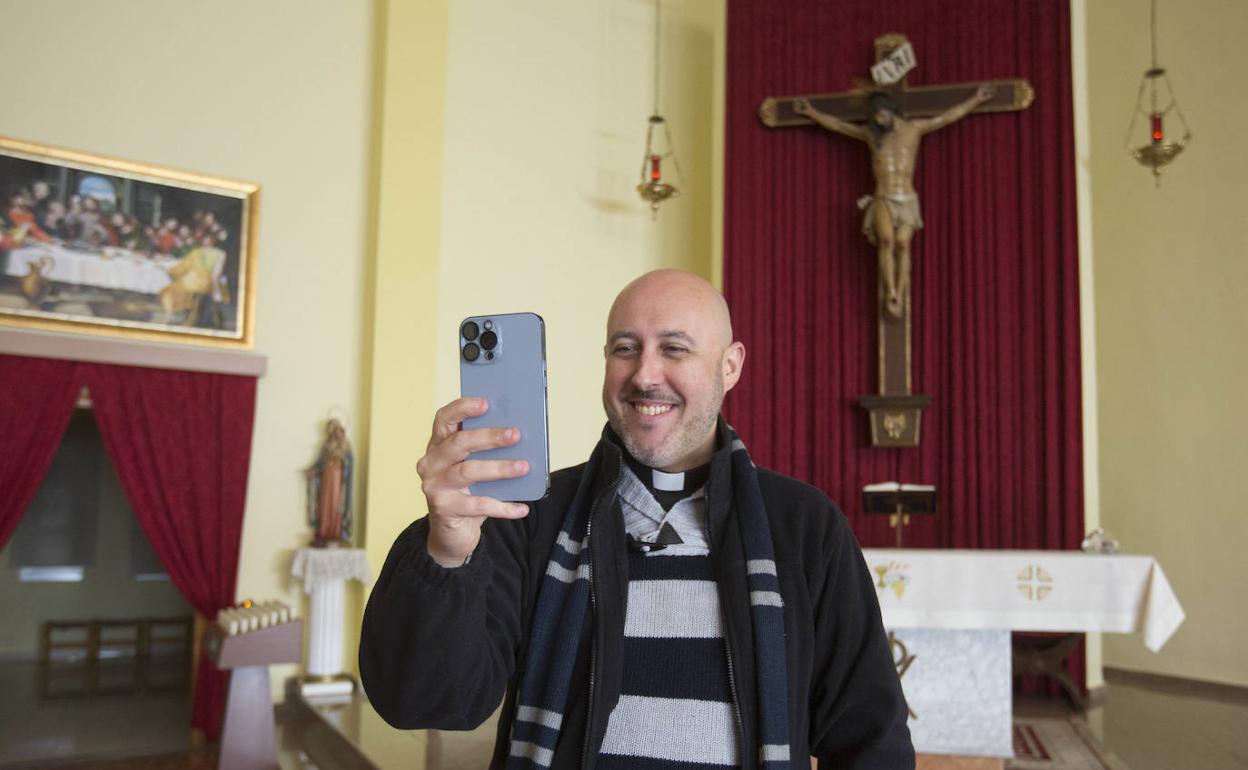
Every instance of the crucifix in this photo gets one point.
(891, 118)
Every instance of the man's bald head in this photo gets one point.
(670, 358)
(677, 288)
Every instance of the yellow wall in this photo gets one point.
(539, 207)
(275, 92)
(406, 261)
(408, 157)
(1171, 275)
(543, 113)
(1093, 648)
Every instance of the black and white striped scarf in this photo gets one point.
(563, 601)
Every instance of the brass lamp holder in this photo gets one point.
(652, 187)
(1159, 151)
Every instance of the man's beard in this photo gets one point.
(682, 441)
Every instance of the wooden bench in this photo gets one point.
(90, 636)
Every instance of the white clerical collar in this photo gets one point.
(667, 482)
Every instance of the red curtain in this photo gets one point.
(181, 442)
(996, 294)
(996, 300)
(37, 398)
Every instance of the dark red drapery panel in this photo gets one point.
(181, 442)
(996, 294)
(37, 397)
(996, 302)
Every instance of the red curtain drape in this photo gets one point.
(181, 443)
(37, 398)
(996, 296)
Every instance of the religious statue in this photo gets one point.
(891, 214)
(329, 488)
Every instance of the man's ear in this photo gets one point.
(731, 364)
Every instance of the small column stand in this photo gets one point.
(897, 521)
(325, 572)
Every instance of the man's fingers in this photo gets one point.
(457, 447)
(468, 441)
(488, 506)
(446, 474)
(446, 421)
(455, 504)
(471, 471)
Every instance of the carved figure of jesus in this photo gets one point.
(891, 214)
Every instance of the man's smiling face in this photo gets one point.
(669, 361)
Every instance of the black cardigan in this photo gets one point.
(440, 647)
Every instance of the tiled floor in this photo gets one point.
(1148, 728)
(70, 714)
(1152, 729)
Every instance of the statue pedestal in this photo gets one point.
(325, 572)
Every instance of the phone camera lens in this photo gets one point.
(471, 351)
(489, 340)
(469, 331)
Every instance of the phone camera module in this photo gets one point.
(489, 340)
(469, 331)
(471, 352)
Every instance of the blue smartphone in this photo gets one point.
(502, 358)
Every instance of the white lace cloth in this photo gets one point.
(316, 565)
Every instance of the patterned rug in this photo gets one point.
(1058, 743)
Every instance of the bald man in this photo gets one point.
(667, 605)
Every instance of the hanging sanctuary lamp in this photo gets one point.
(653, 187)
(1159, 150)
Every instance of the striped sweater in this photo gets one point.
(676, 706)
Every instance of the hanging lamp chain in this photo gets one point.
(658, 19)
(1153, 25)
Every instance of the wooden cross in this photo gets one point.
(895, 411)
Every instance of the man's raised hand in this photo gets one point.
(455, 515)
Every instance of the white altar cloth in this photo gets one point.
(108, 268)
(1025, 591)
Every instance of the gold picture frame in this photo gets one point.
(97, 245)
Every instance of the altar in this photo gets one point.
(949, 614)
